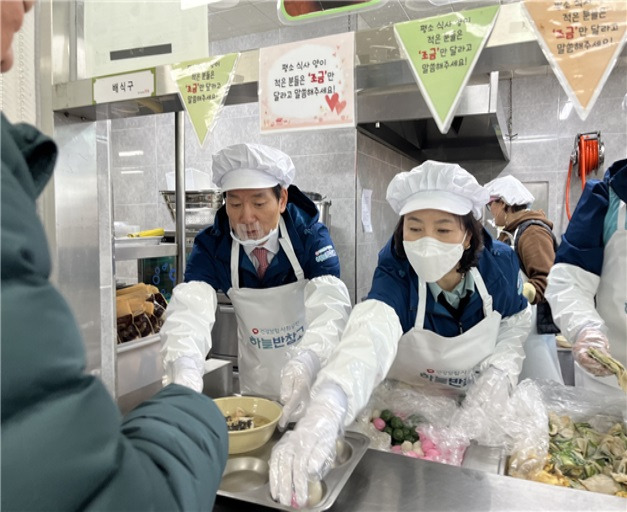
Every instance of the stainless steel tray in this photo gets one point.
(491, 459)
(246, 477)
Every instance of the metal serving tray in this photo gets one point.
(246, 476)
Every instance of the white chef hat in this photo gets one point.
(509, 190)
(251, 166)
(439, 186)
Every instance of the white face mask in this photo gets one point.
(251, 242)
(432, 259)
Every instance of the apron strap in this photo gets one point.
(481, 288)
(286, 243)
(234, 264)
(284, 240)
(483, 291)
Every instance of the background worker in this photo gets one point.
(531, 236)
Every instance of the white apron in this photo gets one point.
(611, 301)
(427, 358)
(541, 361)
(269, 321)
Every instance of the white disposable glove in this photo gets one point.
(485, 403)
(186, 333)
(297, 377)
(187, 371)
(308, 452)
(491, 389)
(587, 338)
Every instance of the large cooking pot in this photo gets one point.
(323, 204)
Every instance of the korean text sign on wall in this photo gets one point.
(307, 85)
(581, 39)
(442, 51)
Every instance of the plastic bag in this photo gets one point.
(428, 414)
(529, 454)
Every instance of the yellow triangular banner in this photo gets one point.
(442, 52)
(582, 40)
(203, 85)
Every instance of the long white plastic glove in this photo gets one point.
(188, 372)
(485, 403)
(509, 354)
(186, 333)
(570, 293)
(327, 308)
(308, 452)
(297, 377)
(591, 337)
(365, 354)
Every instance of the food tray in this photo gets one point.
(140, 240)
(246, 476)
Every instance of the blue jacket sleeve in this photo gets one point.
(322, 259)
(391, 285)
(582, 243)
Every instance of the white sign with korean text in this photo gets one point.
(127, 86)
(307, 85)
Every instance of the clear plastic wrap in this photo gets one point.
(517, 422)
(560, 451)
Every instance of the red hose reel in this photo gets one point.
(587, 157)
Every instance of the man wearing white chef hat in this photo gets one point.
(276, 262)
(443, 314)
(531, 236)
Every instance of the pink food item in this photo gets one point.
(412, 454)
(396, 449)
(378, 423)
(427, 444)
(431, 452)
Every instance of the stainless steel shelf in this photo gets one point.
(137, 252)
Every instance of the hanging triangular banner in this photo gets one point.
(442, 52)
(203, 85)
(582, 40)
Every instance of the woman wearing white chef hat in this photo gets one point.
(444, 313)
(276, 262)
(531, 236)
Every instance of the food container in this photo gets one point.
(201, 206)
(246, 476)
(323, 204)
(242, 441)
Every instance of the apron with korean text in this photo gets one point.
(269, 321)
(425, 358)
(611, 302)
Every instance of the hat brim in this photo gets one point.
(247, 179)
(438, 200)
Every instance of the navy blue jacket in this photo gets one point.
(395, 282)
(210, 259)
(589, 229)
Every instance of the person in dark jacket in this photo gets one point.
(586, 288)
(444, 315)
(65, 445)
(268, 252)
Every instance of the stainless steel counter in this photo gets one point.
(385, 482)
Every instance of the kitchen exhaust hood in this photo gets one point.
(397, 115)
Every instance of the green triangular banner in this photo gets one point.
(442, 52)
(203, 85)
